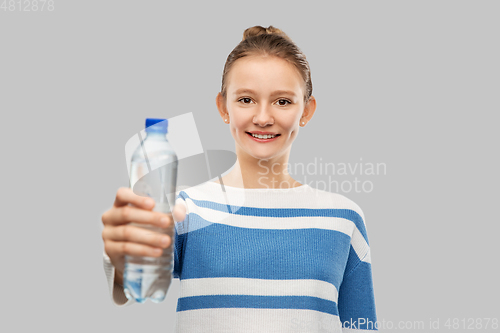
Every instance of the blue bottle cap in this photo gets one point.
(156, 125)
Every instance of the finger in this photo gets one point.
(125, 196)
(133, 249)
(127, 214)
(179, 213)
(130, 233)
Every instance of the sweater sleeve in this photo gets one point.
(116, 291)
(180, 234)
(356, 301)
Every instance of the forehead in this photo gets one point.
(264, 73)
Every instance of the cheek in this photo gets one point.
(240, 121)
(291, 124)
(238, 127)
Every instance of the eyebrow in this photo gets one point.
(276, 92)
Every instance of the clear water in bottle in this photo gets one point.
(153, 173)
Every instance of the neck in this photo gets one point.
(250, 172)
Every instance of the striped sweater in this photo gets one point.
(270, 260)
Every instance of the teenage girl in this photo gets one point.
(265, 98)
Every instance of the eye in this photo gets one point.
(245, 100)
(283, 102)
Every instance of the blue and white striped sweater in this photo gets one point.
(272, 260)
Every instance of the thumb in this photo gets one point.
(179, 213)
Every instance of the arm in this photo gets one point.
(356, 302)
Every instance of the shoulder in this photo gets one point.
(327, 199)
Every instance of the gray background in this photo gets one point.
(411, 84)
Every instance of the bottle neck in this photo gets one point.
(156, 136)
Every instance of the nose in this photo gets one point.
(263, 116)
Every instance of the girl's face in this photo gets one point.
(264, 94)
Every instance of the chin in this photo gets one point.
(258, 156)
(264, 156)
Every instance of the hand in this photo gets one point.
(121, 238)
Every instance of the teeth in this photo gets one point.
(265, 136)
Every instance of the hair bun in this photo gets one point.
(260, 30)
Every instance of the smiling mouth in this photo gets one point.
(263, 137)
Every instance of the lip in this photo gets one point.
(262, 140)
(262, 133)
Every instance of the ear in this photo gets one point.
(220, 101)
(309, 110)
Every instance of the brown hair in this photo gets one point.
(272, 41)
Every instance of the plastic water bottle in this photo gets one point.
(153, 173)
